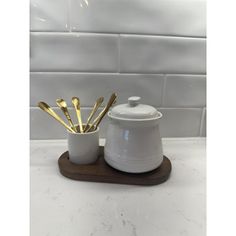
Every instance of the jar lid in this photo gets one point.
(133, 110)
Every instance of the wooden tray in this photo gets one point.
(100, 171)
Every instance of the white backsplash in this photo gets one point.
(155, 49)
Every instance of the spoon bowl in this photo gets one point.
(45, 107)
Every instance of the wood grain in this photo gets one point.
(100, 171)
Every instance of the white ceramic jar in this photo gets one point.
(133, 142)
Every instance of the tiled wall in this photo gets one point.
(155, 49)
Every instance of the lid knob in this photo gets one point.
(133, 101)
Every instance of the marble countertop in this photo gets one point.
(65, 207)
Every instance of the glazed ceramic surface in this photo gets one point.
(83, 148)
(133, 141)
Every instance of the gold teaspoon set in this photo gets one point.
(81, 128)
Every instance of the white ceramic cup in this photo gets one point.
(83, 147)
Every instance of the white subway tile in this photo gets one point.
(43, 126)
(74, 52)
(169, 17)
(185, 91)
(49, 15)
(178, 122)
(88, 87)
(158, 54)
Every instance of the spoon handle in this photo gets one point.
(69, 118)
(94, 110)
(97, 121)
(63, 123)
(78, 112)
(67, 115)
(55, 116)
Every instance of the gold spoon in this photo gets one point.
(62, 104)
(76, 103)
(97, 121)
(95, 108)
(45, 107)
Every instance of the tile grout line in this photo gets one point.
(68, 15)
(118, 33)
(119, 53)
(115, 73)
(201, 123)
(163, 90)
